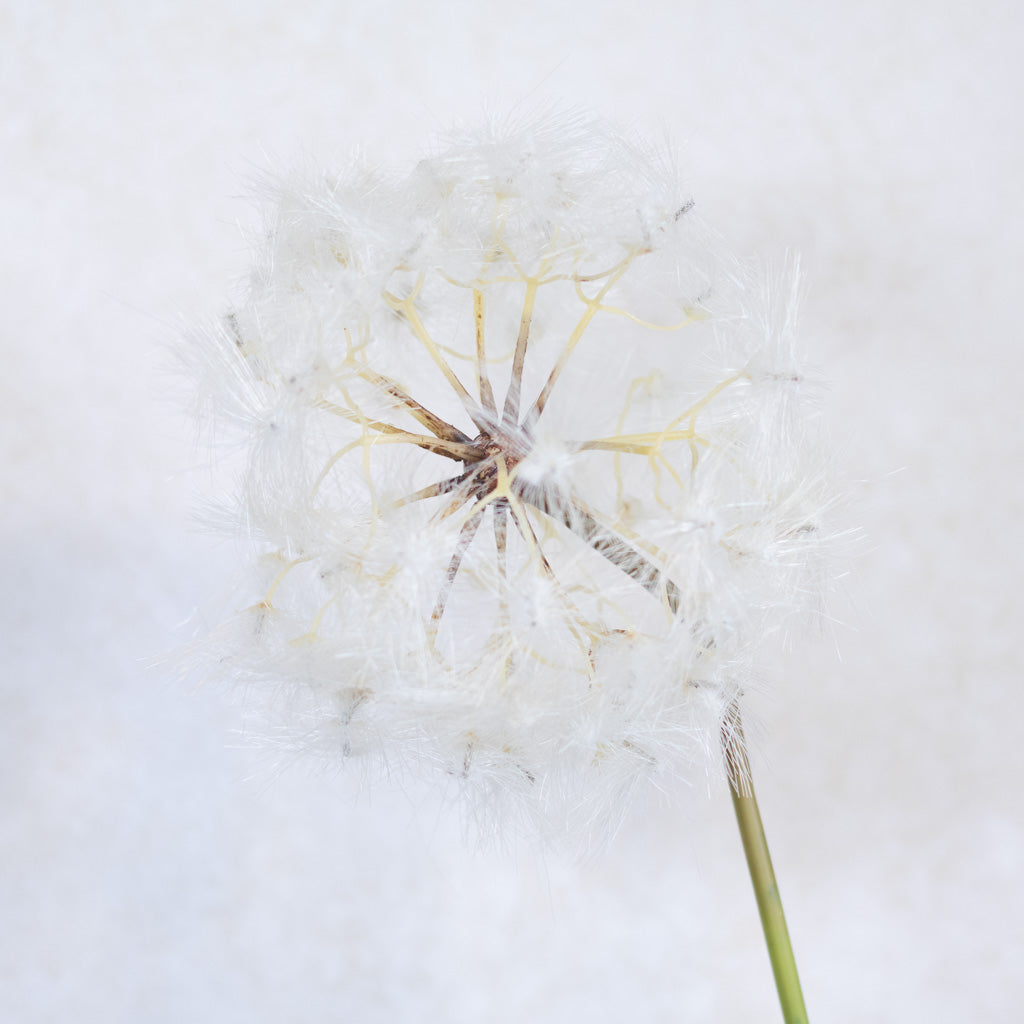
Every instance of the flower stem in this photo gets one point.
(759, 863)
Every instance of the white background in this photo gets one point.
(154, 869)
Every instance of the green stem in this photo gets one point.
(759, 862)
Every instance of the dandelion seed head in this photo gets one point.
(531, 466)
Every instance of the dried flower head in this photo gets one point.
(528, 466)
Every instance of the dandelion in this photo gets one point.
(529, 466)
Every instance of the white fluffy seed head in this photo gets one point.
(531, 468)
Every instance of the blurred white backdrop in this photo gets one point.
(152, 869)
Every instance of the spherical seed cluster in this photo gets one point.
(529, 467)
